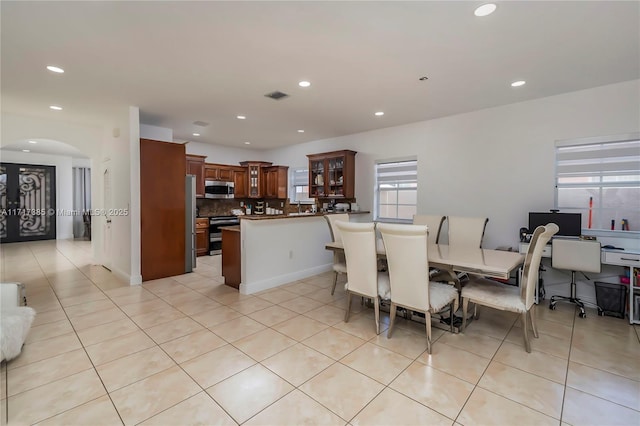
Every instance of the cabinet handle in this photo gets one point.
(634, 260)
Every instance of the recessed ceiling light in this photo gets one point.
(26, 150)
(33, 142)
(518, 83)
(55, 69)
(304, 84)
(196, 134)
(240, 117)
(247, 143)
(379, 113)
(56, 107)
(300, 131)
(485, 9)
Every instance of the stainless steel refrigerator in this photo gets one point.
(190, 222)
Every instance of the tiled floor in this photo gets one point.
(190, 350)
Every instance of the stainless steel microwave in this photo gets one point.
(218, 189)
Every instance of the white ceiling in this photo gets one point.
(210, 61)
(45, 146)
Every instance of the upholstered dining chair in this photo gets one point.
(363, 278)
(339, 264)
(467, 230)
(406, 249)
(433, 222)
(496, 295)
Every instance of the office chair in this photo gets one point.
(575, 256)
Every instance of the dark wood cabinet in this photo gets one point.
(240, 182)
(221, 172)
(255, 177)
(332, 174)
(195, 166)
(202, 236)
(275, 182)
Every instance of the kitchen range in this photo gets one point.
(215, 233)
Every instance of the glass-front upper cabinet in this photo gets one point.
(332, 174)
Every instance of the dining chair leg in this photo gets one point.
(532, 318)
(335, 282)
(451, 316)
(465, 306)
(346, 315)
(392, 314)
(476, 311)
(525, 332)
(427, 320)
(376, 312)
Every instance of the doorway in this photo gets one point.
(28, 202)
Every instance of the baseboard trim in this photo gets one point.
(256, 286)
(132, 280)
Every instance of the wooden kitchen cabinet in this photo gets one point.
(255, 177)
(231, 256)
(240, 182)
(221, 172)
(195, 166)
(276, 182)
(202, 236)
(332, 174)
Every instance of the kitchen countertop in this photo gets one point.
(233, 228)
(295, 216)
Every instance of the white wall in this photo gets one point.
(497, 162)
(64, 184)
(223, 154)
(155, 133)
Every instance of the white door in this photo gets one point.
(106, 259)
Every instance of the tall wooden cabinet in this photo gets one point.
(240, 182)
(195, 166)
(332, 174)
(275, 182)
(255, 185)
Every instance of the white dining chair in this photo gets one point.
(339, 263)
(363, 278)
(505, 297)
(433, 222)
(468, 231)
(406, 250)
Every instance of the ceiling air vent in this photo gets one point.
(201, 123)
(276, 95)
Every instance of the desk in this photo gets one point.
(476, 261)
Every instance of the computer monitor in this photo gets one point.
(570, 224)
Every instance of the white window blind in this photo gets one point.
(602, 180)
(396, 190)
(299, 184)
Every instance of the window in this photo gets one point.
(396, 190)
(299, 185)
(600, 178)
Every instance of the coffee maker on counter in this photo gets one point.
(259, 207)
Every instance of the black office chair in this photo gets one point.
(576, 256)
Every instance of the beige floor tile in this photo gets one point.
(342, 390)
(174, 329)
(198, 305)
(157, 317)
(132, 368)
(118, 347)
(45, 305)
(538, 363)
(200, 409)
(552, 328)
(439, 391)
(272, 315)
(192, 345)
(334, 343)
(216, 316)
(324, 295)
(146, 398)
(259, 387)
(527, 389)
(54, 398)
(88, 308)
(301, 304)
(277, 296)
(544, 343)
(583, 409)
(250, 305)
(100, 333)
(404, 342)
(487, 408)
(47, 331)
(489, 326)
(144, 307)
(301, 288)
(180, 297)
(135, 297)
(99, 412)
(97, 318)
(39, 373)
(329, 315)
(611, 387)
(237, 329)
(625, 365)
(78, 300)
(362, 326)
(622, 344)
(300, 328)
(263, 344)
(393, 408)
(376, 362)
(295, 408)
(48, 317)
(297, 364)
(457, 362)
(563, 314)
(217, 365)
(478, 344)
(229, 298)
(44, 349)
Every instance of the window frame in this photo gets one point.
(376, 197)
(293, 187)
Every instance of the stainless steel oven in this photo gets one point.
(215, 233)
